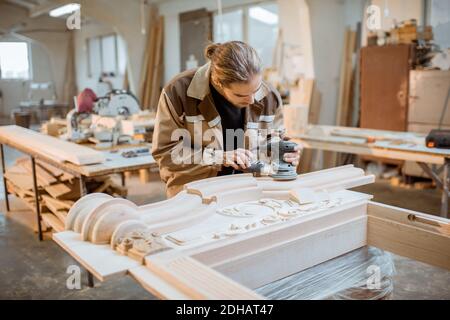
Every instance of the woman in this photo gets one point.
(210, 108)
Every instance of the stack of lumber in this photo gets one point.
(153, 65)
(58, 190)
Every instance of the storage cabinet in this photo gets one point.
(385, 86)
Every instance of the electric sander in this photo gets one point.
(279, 169)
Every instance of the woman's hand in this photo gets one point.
(293, 157)
(239, 159)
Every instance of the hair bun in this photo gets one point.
(210, 50)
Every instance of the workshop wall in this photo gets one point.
(439, 18)
(84, 80)
(170, 10)
(48, 52)
(111, 15)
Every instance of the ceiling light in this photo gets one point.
(263, 15)
(65, 9)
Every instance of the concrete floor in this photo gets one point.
(30, 269)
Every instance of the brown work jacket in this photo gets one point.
(186, 103)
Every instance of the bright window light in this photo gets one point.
(14, 60)
(263, 15)
(65, 9)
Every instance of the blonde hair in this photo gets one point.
(233, 61)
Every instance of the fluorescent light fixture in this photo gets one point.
(263, 15)
(65, 9)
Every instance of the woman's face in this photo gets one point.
(242, 94)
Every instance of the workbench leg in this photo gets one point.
(36, 198)
(122, 176)
(90, 280)
(445, 189)
(83, 189)
(4, 179)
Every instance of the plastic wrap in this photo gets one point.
(365, 273)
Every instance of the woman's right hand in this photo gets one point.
(239, 159)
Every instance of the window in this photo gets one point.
(255, 24)
(230, 28)
(263, 30)
(106, 54)
(14, 63)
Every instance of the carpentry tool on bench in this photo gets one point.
(439, 138)
(105, 114)
(136, 153)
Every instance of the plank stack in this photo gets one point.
(58, 190)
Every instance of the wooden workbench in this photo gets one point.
(407, 146)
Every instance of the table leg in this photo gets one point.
(83, 189)
(442, 184)
(445, 190)
(122, 176)
(36, 198)
(4, 179)
(90, 280)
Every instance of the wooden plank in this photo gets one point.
(58, 204)
(56, 208)
(390, 229)
(55, 148)
(332, 144)
(66, 177)
(43, 177)
(61, 215)
(198, 281)
(345, 100)
(23, 181)
(155, 285)
(158, 65)
(58, 190)
(53, 221)
(56, 172)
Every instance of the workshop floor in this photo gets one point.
(30, 269)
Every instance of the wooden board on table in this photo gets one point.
(54, 148)
(115, 163)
